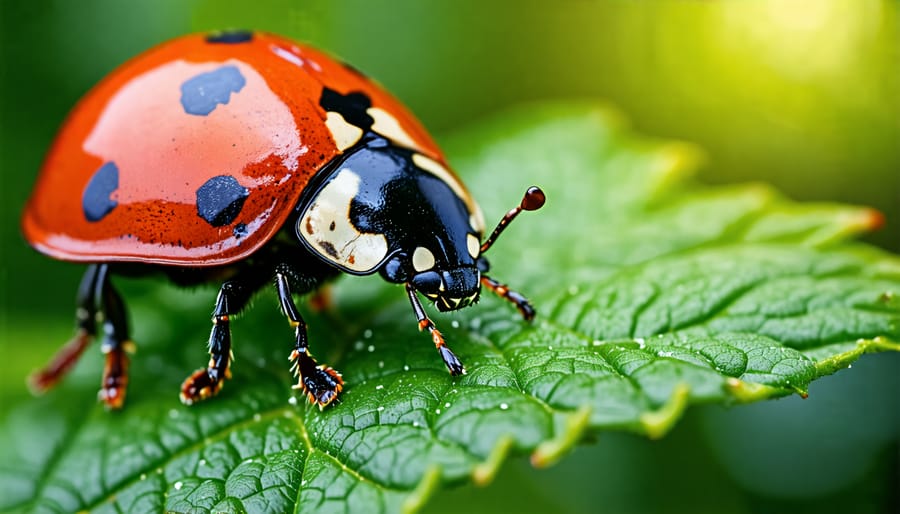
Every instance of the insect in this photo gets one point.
(241, 158)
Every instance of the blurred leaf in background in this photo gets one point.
(801, 93)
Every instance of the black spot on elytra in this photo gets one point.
(220, 200)
(331, 227)
(229, 36)
(240, 230)
(352, 107)
(96, 201)
(201, 94)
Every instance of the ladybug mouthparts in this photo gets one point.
(445, 303)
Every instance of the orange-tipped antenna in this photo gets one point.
(533, 200)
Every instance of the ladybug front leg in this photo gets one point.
(450, 359)
(321, 383)
(521, 303)
(207, 382)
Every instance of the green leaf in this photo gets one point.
(653, 293)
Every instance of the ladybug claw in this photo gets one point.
(113, 397)
(320, 383)
(454, 365)
(199, 386)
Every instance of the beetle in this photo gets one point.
(243, 158)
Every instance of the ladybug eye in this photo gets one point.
(422, 259)
(429, 282)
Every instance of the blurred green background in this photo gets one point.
(804, 94)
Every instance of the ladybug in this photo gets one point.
(244, 158)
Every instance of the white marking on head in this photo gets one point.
(474, 245)
(476, 219)
(422, 259)
(344, 134)
(326, 227)
(388, 126)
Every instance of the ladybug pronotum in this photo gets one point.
(243, 158)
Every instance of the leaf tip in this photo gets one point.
(551, 450)
(746, 392)
(484, 473)
(424, 489)
(658, 422)
(677, 160)
(872, 219)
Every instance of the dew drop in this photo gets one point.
(178, 485)
(380, 408)
(202, 462)
(415, 424)
(503, 406)
(173, 413)
(406, 367)
(380, 364)
(454, 324)
(248, 461)
(358, 345)
(447, 405)
(573, 290)
(292, 400)
(143, 476)
(371, 348)
(437, 411)
(257, 417)
(379, 387)
(367, 333)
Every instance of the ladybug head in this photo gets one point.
(454, 280)
(392, 210)
(449, 286)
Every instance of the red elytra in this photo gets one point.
(271, 138)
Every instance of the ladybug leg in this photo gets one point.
(86, 327)
(321, 383)
(207, 382)
(450, 359)
(115, 342)
(509, 295)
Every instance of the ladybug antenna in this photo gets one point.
(533, 200)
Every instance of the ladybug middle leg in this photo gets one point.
(207, 382)
(320, 382)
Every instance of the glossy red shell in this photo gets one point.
(270, 136)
